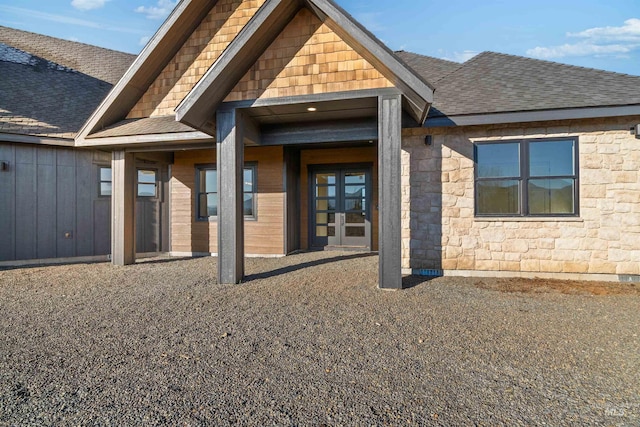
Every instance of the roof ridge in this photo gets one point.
(426, 56)
(579, 67)
(463, 65)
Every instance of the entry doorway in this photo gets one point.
(341, 207)
(149, 196)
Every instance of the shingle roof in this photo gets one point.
(103, 64)
(146, 126)
(495, 83)
(53, 95)
(430, 68)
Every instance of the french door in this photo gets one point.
(341, 207)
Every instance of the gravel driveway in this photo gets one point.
(309, 340)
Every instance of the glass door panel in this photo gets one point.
(341, 208)
(355, 208)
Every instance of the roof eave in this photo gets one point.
(186, 16)
(533, 116)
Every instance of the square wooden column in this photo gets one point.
(123, 200)
(389, 191)
(230, 165)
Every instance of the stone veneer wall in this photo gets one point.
(440, 230)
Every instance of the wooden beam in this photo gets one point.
(123, 199)
(230, 161)
(389, 191)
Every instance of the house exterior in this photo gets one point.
(263, 127)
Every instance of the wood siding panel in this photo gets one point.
(7, 204)
(46, 207)
(25, 202)
(264, 236)
(86, 193)
(199, 52)
(307, 58)
(46, 192)
(330, 157)
(66, 209)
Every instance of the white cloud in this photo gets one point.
(61, 19)
(598, 41)
(629, 32)
(163, 8)
(88, 4)
(144, 40)
(463, 56)
(580, 49)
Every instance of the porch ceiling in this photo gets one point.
(325, 111)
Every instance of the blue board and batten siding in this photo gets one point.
(49, 203)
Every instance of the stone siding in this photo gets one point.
(440, 230)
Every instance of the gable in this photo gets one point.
(225, 20)
(307, 58)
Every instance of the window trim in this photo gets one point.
(100, 181)
(525, 176)
(212, 166)
(156, 183)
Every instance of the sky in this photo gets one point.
(588, 33)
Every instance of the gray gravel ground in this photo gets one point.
(308, 340)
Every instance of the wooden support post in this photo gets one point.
(389, 191)
(123, 199)
(230, 159)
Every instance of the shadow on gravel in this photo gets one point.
(167, 259)
(296, 267)
(409, 282)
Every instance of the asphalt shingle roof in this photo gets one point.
(49, 87)
(496, 83)
(430, 68)
(146, 126)
(100, 63)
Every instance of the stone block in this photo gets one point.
(618, 255)
(509, 265)
(628, 268)
(486, 265)
(551, 266)
(449, 264)
(532, 265)
(515, 245)
(576, 267)
(602, 267)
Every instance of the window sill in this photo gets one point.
(528, 219)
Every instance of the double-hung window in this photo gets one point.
(527, 177)
(207, 192)
(104, 179)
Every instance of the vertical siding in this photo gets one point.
(7, 203)
(46, 192)
(46, 217)
(25, 202)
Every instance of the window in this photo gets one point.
(527, 178)
(147, 184)
(105, 182)
(207, 189)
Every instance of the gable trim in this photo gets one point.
(198, 107)
(414, 87)
(175, 31)
(233, 63)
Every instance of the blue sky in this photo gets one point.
(589, 33)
